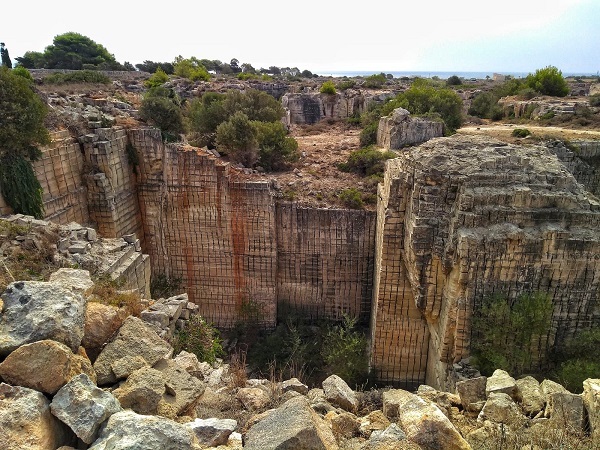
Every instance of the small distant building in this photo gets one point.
(499, 77)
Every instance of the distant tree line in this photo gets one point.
(74, 51)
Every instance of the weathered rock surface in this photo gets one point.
(472, 393)
(501, 408)
(253, 398)
(422, 421)
(135, 338)
(142, 391)
(182, 389)
(77, 280)
(45, 366)
(339, 393)
(392, 438)
(212, 432)
(566, 410)
(465, 217)
(292, 426)
(399, 129)
(294, 384)
(101, 323)
(84, 407)
(127, 430)
(37, 310)
(591, 400)
(26, 421)
(530, 395)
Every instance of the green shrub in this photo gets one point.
(237, 139)
(521, 132)
(577, 359)
(344, 351)
(20, 187)
(190, 68)
(594, 100)
(159, 109)
(163, 286)
(277, 150)
(351, 198)
(200, 338)
(367, 161)
(548, 81)
(375, 81)
(503, 332)
(328, 88)
(346, 84)
(247, 76)
(81, 76)
(454, 80)
(158, 78)
(22, 72)
(368, 135)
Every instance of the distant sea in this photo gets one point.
(442, 75)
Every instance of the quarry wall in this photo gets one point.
(457, 221)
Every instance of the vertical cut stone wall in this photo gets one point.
(239, 254)
(324, 262)
(59, 172)
(215, 233)
(112, 192)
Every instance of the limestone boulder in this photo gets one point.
(135, 338)
(127, 430)
(344, 425)
(77, 280)
(253, 398)
(37, 310)
(392, 438)
(26, 421)
(212, 432)
(182, 390)
(294, 384)
(125, 366)
(84, 407)
(292, 426)
(189, 362)
(45, 366)
(566, 410)
(337, 392)
(142, 391)
(591, 400)
(501, 382)
(501, 408)
(549, 387)
(422, 421)
(472, 393)
(101, 323)
(373, 421)
(530, 395)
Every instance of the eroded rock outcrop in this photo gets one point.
(399, 129)
(464, 218)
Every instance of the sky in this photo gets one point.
(505, 36)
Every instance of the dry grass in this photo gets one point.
(31, 258)
(108, 292)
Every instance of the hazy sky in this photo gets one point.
(323, 36)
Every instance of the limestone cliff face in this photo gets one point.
(460, 219)
(310, 108)
(399, 129)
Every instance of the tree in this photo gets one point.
(234, 64)
(6, 62)
(190, 68)
(32, 60)
(206, 114)
(548, 81)
(160, 109)
(152, 67)
(276, 149)
(75, 51)
(454, 80)
(22, 115)
(237, 139)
